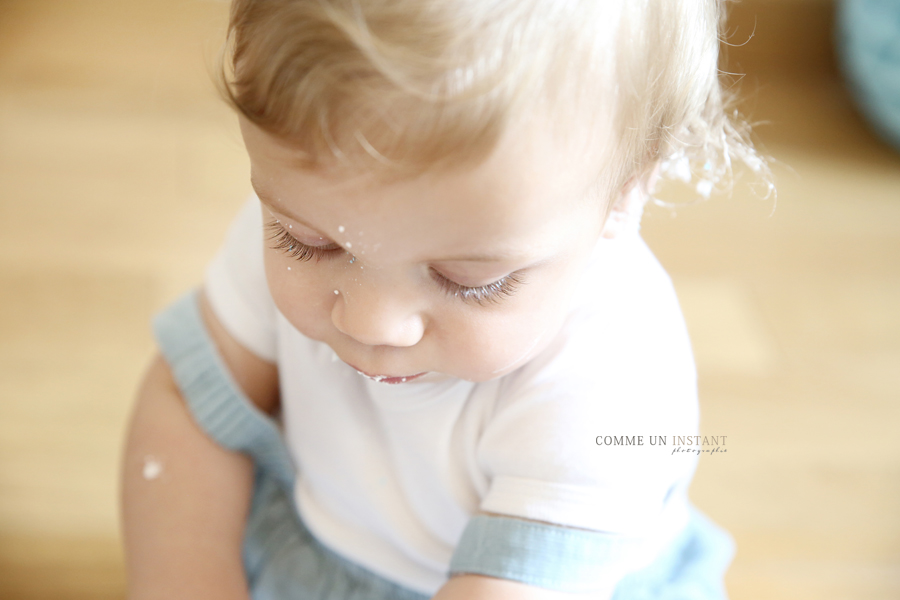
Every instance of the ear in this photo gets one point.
(625, 216)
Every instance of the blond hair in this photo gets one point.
(411, 85)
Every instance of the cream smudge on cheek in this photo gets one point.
(153, 468)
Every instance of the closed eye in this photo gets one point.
(482, 295)
(280, 239)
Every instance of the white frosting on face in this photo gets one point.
(464, 272)
(153, 468)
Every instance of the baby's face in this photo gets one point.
(465, 273)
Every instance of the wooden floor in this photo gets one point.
(119, 170)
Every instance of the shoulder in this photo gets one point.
(238, 312)
(236, 288)
(624, 347)
(626, 287)
(621, 365)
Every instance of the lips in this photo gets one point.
(391, 379)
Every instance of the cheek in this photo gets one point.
(491, 345)
(299, 291)
(497, 344)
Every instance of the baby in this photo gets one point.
(434, 357)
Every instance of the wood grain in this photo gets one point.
(120, 169)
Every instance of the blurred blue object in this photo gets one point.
(868, 43)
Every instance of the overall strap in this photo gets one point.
(218, 405)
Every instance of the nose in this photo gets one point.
(375, 315)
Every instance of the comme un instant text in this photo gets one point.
(660, 440)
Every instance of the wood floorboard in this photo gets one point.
(120, 170)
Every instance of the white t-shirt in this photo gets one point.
(389, 475)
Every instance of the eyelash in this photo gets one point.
(482, 295)
(284, 241)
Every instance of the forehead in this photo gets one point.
(526, 191)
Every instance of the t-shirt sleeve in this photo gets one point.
(571, 442)
(621, 370)
(236, 287)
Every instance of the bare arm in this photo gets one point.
(481, 587)
(183, 528)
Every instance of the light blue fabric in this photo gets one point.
(572, 560)
(216, 402)
(560, 558)
(868, 44)
(284, 561)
